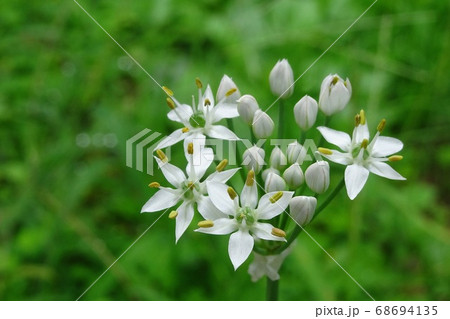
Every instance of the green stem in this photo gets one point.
(238, 154)
(325, 123)
(280, 119)
(272, 290)
(252, 136)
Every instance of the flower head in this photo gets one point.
(334, 94)
(281, 79)
(360, 155)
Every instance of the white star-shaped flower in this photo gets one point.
(242, 219)
(188, 189)
(360, 156)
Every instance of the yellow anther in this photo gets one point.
(154, 185)
(191, 185)
(198, 83)
(173, 214)
(161, 155)
(190, 148)
(185, 129)
(276, 197)
(395, 158)
(250, 178)
(222, 165)
(325, 151)
(381, 125)
(278, 232)
(357, 120)
(205, 224)
(231, 192)
(170, 103)
(363, 117)
(230, 91)
(335, 80)
(207, 102)
(168, 91)
(364, 143)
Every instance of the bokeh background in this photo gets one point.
(70, 98)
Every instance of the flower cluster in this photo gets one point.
(275, 190)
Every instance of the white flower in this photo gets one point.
(360, 156)
(262, 124)
(317, 177)
(188, 189)
(296, 153)
(277, 158)
(243, 219)
(305, 112)
(334, 94)
(293, 176)
(267, 265)
(199, 121)
(253, 158)
(274, 182)
(227, 84)
(302, 209)
(247, 107)
(281, 79)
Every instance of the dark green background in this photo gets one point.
(67, 212)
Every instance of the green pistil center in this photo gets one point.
(197, 120)
(246, 213)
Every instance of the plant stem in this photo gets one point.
(325, 123)
(238, 154)
(272, 290)
(280, 119)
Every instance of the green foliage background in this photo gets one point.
(67, 212)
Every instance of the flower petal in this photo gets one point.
(360, 133)
(249, 196)
(240, 246)
(222, 132)
(384, 170)
(267, 210)
(222, 177)
(184, 218)
(221, 226)
(162, 199)
(225, 111)
(385, 146)
(208, 210)
(173, 174)
(199, 163)
(181, 113)
(264, 231)
(220, 198)
(339, 157)
(340, 139)
(172, 139)
(355, 178)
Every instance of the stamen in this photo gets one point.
(173, 214)
(191, 185)
(325, 151)
(222, 165)
(185, 129)
(231, 91)
(363, 117)
(190, 148)
(168, 91)
(276, 197)
(161, 155)
(335, 80)
(395, 158)
(198, 83)
(154, 185)
(278, 232)
(250, 178)
(357, 120)
(207, 102)
(205, 224)
(364, 143)
(231, 192)
(381, 126)
(170, 103)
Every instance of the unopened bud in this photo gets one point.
(262, 124)
(305, 112)
(296, 153)
(317, 176)
(253, 158)
(334, 94)
(302, 209)
(277, 158)
(246, 107)
(274, 183)
(281, 79)
(265, 173)
(227, 89)
(293, 176)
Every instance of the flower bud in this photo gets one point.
(226, 84)
(302, 209)
(277, 158)
(253, 158)
(267, 171)
(296, 153)
(281, 79)
(247, 107)
(262, 124)
(334, 94)
(305, 112)
(293, 176)
(274, 183)
(317, 177)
